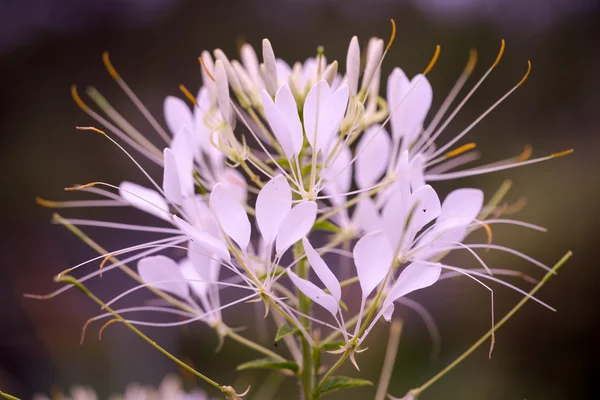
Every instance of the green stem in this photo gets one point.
(80, 286)
(8, 396)
(484, 338)
(331, 370)
(306, 375)
(249, 343)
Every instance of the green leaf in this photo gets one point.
(332, 346)
(269, 363)
(342, 382)
(326, 226)
(283, 331)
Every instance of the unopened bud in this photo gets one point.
(374, 53)
(353, 65)
(270, 67)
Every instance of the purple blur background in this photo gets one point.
(47, 45)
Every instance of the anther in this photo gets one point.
(111, 70)
(188, 95)
(562, 153)
(462, 149)
(77, 99)
(392, 35)
(90, 128)
(433, 60)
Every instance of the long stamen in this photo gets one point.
(156, 158)
(485, 169)
(467, 97)
(482, 116)
(113, 73)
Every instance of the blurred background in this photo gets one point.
(45, 46)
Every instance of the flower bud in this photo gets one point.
(270, 68)
(353, 65)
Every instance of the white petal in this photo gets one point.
(414, 277)
(427, 208)
(235, 182)
(397, 87)
(322, 270)
(177, 114)
(388, 311)
(145, 199)
(273, 203)
(289, 110)
(366, 216)
(161, 268)
(231, 215)
(316, 115)
(196, 282)
(460, 207)
(416, 107)
(296, 224)
(183, 149)
(395, 213)
(340, 175)
(279, 124)
(171, 183)
(223, 91)
(203, 239)
(373, 259)
(314, 293)
(353, 65)
(270, 67)
(374, 147)
(336, 111)
(250, 62)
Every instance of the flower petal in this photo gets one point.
(177, 114)
(145, 199)
(284, 99)
(203, 239)
(279, 123)
(427, 209)
(171, 182)
(160, 268)
(316, 115)
(460, 207)
(231, 215)
(296, 224)
(415, 276)
(273, 203)
(314, 293)
(373, 259)
(367, 216)
(322, 270)
(374, 147)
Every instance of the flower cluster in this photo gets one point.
(265, 156)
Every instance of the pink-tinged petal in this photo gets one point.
(317, 115)
(339, 177)
(395, 213)
(416, 107)
(314, 293)
(284, 99)
(373, 259)
(208, 242)
(177, 114)
(397, 87)
(460, 207)
(194, 280)
(171, 182)
(336, 110)
(414, 277)
(322, 270)
(296, 224)
(278, 124)
(367, 216)
(145, 199)
(388, 311)
(374, 147)
(183, 149)
(159, 269)
(353, 65)
(283, 72)
(235, 182)
(231, 215)
(273, 203)
(428, 207)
